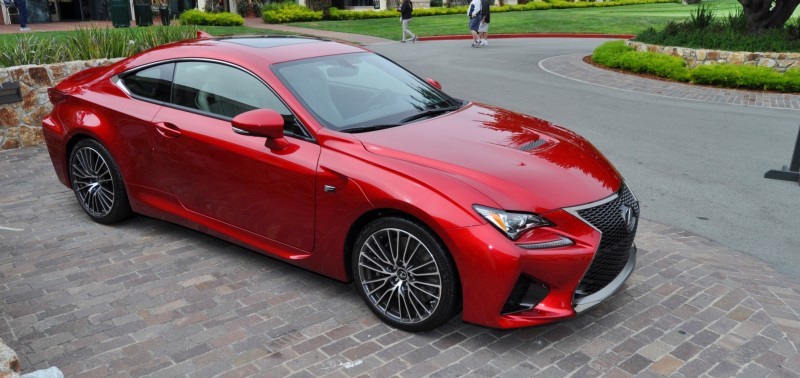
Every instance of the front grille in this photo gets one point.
(615, 242)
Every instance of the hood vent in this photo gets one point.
(530, 146)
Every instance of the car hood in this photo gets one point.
(521, 162)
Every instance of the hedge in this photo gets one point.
(198, 17)
(616, 54)
(290, 13)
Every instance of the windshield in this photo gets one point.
(361, 91)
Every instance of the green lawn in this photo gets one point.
(629, 19)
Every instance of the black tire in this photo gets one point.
(97, 183)
(405, 274)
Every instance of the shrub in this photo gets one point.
(702, 17)
(290, 13)
(616, 54)
(748, 77)
(609, 53)
(198, 17)
(738, 21)
(337, 14)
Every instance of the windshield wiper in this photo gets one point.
(364, 129)
(430, 113)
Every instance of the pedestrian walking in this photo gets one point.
(22, 7)
(406, 8)
(483, 28)
(474, 13)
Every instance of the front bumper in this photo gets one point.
(491, 267)
(585, 303)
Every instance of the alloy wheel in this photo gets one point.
(92, 181)
(400, 276)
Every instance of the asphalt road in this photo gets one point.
(693, 165)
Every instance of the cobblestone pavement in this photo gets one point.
(573, 67)
(150, 298)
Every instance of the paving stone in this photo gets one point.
(419, 355)
(449, 340)
(573, 362)
(666, 365)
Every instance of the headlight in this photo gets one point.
(512, 224)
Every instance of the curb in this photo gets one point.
(530, 35)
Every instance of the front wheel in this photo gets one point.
(405, 275)
(97, 183)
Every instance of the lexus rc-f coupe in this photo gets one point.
(338, 160)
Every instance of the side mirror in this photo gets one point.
(434, 83)
(263, 123)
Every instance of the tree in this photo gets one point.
(762, 15)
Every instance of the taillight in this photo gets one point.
(56, 96)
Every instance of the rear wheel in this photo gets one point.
(404, 274)
(97, 183)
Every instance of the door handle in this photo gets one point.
(167, 129)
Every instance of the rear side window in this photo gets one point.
(152, 83)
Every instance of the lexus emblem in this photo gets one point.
(629, 216)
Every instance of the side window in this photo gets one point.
(226, 91)
(222, 90)
(152, 83)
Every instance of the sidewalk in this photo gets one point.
(54, 26)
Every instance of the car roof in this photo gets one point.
(252, 49)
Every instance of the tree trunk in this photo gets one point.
(761, 18)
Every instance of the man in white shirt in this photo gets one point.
(474, 13)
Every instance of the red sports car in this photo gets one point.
(340, 161)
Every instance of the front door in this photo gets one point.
(229, 177)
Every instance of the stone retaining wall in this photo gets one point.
(21, 122)
(697, 57)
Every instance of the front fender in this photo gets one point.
(352, 182)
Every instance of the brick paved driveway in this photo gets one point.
(147, 297)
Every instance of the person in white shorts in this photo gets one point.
(483, 28)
